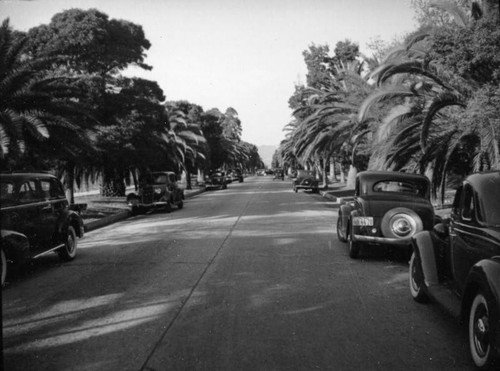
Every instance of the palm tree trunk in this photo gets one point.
(351, 177)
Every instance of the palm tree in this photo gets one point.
(430, 122)
(39, 111)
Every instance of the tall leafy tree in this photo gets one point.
(39, 110)
(94, 48)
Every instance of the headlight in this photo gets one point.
(158, 191)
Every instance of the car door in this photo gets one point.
(466, 247)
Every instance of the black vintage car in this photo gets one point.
(36, 219)
(306, 179)
(458, 265)
(216, 179)
(157, 190)
(388, 208)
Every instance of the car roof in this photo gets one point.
(485, 181)
(23, 176)
(374, 175)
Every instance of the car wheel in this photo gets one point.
(68, 251)
(354, 246)
(340, 235)
(4, 268)
(180, 205)
(295, 189)
(415, 280)
(168, 207)
(482, 322)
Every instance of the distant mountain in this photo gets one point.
(266, 153)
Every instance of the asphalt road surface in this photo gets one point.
(248, 278)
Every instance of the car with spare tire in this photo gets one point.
(36, 219)
(159, 189)
(306, 179)
(457, 264)
(388, 208)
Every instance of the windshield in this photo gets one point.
(155, 178)
(489, 203)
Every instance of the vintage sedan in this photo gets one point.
(388, 208)
(306, 179)
(216, 179)
(158, 189)
(36, 219)
(457, 264)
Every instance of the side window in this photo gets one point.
(456, 201)
(27, 192)
(172, 178)
(56, 189)
(45, 187)
(467, 203)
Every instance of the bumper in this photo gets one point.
(382, 240)
(136, 203)
(299, 186)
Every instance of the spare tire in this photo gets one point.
(401, 222)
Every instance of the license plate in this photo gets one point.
(362, 221)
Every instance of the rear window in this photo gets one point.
(392, 186)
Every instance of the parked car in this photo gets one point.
(457, 264)
(279, 174)
(216, 179)
(388, 208)
(236, 175)
(306, 179)
(36, 219)
(158, 189)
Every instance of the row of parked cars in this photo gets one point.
(219, 179)
(455, 261)
(37, 219)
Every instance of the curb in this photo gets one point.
(107, 220)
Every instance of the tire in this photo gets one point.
(4, 267)
(68, 251)
(295, 189)
(354, 246)
(415, 280)
(340, 236)
(180, 204)
(134, 211)
(168, 207)
(482, 321)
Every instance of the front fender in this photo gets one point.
(16, 246)
(344, 212)
(484, 275)
(424, 245)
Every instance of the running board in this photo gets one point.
(446, 298)
(48, 251)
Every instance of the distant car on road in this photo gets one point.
(235, 175)
(158, 189)
(457, 264)
(306, 179)
(388, 208)
(36, 219)
(216, 179)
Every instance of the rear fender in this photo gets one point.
(344, 212)
(424, 245)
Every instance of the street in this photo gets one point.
(248, 278)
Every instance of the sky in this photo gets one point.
(244, 54)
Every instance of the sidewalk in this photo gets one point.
(102, 211)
